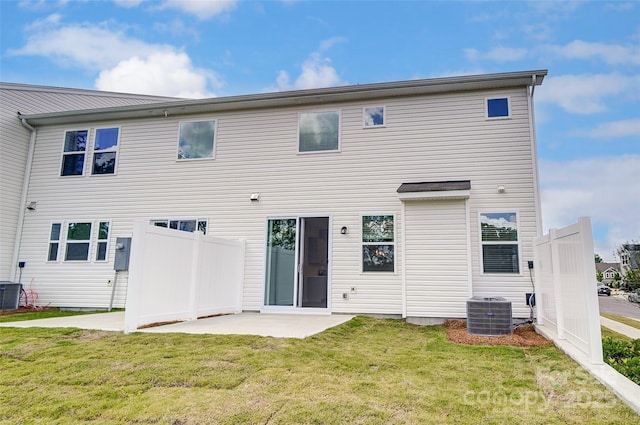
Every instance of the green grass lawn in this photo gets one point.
(625, 320)
(366, 371)
(44, 314)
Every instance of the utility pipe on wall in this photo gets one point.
(23, 198)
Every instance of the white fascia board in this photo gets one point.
(425, 196)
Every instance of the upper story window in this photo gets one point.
(105, 150)
(499, 107)
(378, 243)
(186, 225)
(74, 152)
(196, 140)
(373, 117)
(319, 131)
(499, 233)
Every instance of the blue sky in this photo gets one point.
(587, 110)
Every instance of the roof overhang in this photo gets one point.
(458, 189)
(295, 98)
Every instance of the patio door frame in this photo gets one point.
(297, 308)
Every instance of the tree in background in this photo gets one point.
(599, 275)
(598, 258)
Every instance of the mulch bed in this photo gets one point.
(524, 336)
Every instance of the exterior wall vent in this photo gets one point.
(489, 316)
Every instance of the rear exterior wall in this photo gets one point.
(426, 138)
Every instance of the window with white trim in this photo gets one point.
(500, 247)
(196, 139)
(105, 150)
(102, 247)
(373, 116)
(319, 131)
(499, 107)
(74, 152)
(186, 225)
(378, 243)
(54, 241)
(78, 242)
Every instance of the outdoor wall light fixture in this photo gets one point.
(255, 196)
(32, 206)
(501, 189)
(344, 230)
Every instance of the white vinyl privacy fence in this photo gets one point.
(176, 275)
(567, 303)
(566, 293)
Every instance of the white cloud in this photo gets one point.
(612, 130)
(92, 47)
(586, 94)
(163, 74)
(611, 54)
(316, 72)
(603, 188)
(203, 9)
(124, 63)
(497, 54)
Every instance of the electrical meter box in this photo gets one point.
(123, 251)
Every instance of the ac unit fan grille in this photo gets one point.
(489, 316)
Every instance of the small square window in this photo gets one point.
(196, 139)
(319, 131)
(498, 108)
(374, 117)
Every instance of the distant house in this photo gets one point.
(402, 198)
(629, 257)
(609, 271)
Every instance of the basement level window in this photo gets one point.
(498, 108)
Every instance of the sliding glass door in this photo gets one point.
(297, 262)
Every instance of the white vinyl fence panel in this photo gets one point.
(567, 298)
(176, 275)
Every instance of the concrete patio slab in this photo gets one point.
(275, 325)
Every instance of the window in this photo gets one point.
(196, 139)
(373, 117)
(75, 145)
(498, 108)
(54, 242)
(78, 242)
(378, 245)
(319, 131)
(105, 150)
(188, 225)
(499, 242)
(103, 241)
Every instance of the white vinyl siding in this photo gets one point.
(433, 138)
(436, 263)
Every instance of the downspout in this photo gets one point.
(534, 156)
(23, 199)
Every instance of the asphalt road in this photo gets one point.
(619, 306)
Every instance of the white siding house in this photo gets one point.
(14, 146)
(402, 198)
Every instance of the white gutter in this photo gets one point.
(23, 198)
(534, 156)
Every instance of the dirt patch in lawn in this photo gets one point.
(22, 310)
(523, 336)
